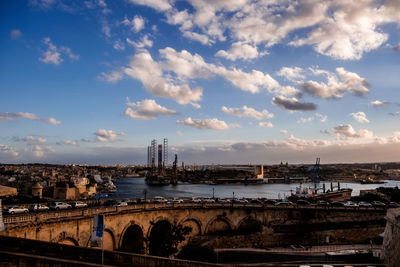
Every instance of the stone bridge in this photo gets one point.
(141, 228)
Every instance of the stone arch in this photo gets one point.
(249, 225)
(158, 236)
(132, 239)
(219, 225)
(194, 223)
(65, 239)
(108, 239)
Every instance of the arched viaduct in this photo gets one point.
(139, 228)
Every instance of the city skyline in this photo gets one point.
(226, 82)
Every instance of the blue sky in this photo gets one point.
(225, 81)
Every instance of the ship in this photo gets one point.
(313, 194)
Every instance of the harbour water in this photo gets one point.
(135, 187)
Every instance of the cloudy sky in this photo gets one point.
(229, 81)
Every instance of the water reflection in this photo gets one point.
(134, 188)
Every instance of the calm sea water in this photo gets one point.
(134, 187)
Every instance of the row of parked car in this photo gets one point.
(41, 207)
(158, 199)
(300, 202)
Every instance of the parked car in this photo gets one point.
(393, 205)
(196, 199)
(131, 201)
(158, 199)
(255, 201)
(79, 204)
(208, 200)
(223, 200)
(378, 204)
(15, 209)
(241, 200)
(142, 200)
(270, 201)
(350, 204)
(38, 207)
(322, 203)
(176, 200)
(283, 203)
(60, 206)
(120, 204)
(364, 204)
(302, 202)
(337, 204)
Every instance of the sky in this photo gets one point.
(229, 81)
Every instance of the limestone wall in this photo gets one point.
(391, 241)
(279, 225)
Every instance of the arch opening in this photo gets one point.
(219, 226)
(133, 240)
(160, 238)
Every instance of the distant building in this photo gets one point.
(37, 190)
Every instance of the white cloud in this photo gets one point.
(394, 114)
(7, 116)
(9, 150)
(240, 50)
(339, 29)
(213, 124)
(67, 143)
(248, 112)
(292, 104)
(265, 124)
(283, 131)
(253, 81)
(360, 116)
(159, 5)
(103, 135)
(202, 38)
(93, 4)
(143, 68)
(136, 23)
(34, 139)
(291, 74)
(118, 45)
(347, 131)
(15, 34)
(169, 77)
(179, 133)
(143, 43)
(147, 109)
(41, 151)
(105, 28)
(350, 82)
(305, 120)
(53, 55)
(320, 117)
(112, 77)
(378, 103)
(396, 47)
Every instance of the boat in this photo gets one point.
(313, 194)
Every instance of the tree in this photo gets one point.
(165, 238)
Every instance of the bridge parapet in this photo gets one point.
(42, 217)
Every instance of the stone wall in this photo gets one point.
(25, 252)
(391, 241)
(273, 225)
